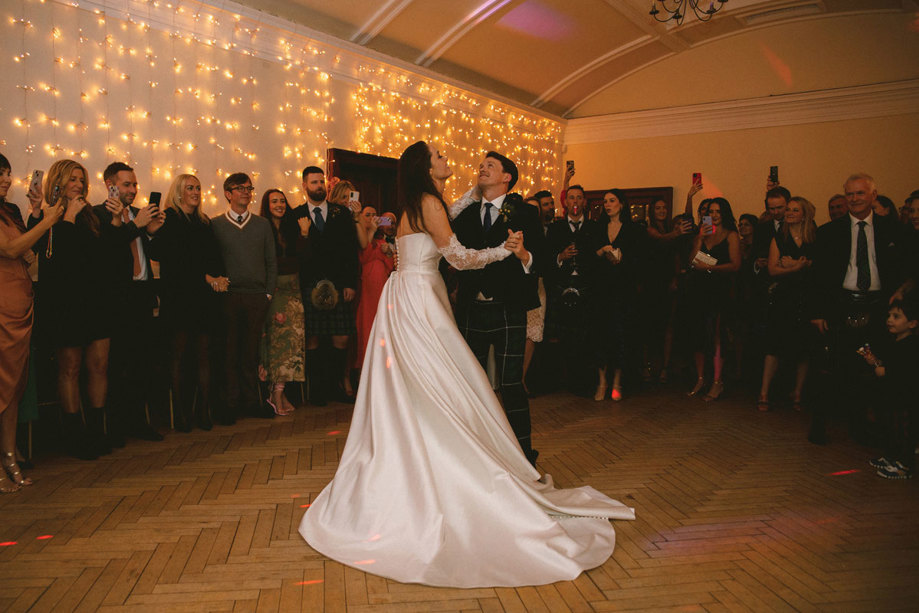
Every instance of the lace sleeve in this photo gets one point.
(457, 207)
(462, 258)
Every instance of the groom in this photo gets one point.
(492, 303)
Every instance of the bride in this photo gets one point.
(432, 486)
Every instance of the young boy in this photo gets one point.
(897, 373)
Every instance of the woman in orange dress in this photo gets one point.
(15, 317)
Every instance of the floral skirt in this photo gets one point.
(284, 336)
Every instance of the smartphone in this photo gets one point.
(707, 225)
(154, 199)
(569, 165)
(697, 178)
(354, 197)
(774, 174)
(113, 192)
(55, 195)
(36, 179)
(384, 221)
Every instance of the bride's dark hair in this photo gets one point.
(414, 182)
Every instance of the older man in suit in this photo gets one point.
(858, 266)
(492, 303)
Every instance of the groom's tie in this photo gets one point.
(486, 223)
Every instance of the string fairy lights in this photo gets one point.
(183, 86)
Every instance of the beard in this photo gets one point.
(317, 196)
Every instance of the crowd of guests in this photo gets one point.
(249, 303)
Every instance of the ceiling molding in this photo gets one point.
(860, 102)
(591, 65)
(451, 36)
(379, 20)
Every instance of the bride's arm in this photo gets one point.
(459, 257)
(473, 195)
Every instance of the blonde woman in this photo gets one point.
(73, 318)
(790, 257)
(191, 276)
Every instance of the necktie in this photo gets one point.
(486, 223)
(863, 281)
(318, 220)
(134, 252)
(239, 219)
(575, 226)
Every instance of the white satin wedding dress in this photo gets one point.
(432, 486)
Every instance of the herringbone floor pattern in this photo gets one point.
(736, 512)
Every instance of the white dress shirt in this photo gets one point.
(851, 279)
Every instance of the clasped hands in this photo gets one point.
(218, 284)
(514, 244)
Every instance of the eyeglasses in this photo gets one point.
(243, 188)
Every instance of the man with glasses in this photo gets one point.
(247, 248)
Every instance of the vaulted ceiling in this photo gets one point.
(554, 55)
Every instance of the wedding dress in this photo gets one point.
(432, 486)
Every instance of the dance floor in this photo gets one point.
(735, 512)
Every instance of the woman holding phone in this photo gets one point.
(376, 259)
(285, 334)
(73, 312)
(709, 290)
(188, 255)
(15, 316)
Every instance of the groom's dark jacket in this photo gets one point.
(504, 281)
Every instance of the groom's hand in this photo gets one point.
(514, 244)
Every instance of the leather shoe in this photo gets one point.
(146, 433)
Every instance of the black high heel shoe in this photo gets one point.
(695, 391)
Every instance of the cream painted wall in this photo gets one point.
(813, 161)
(795, 57)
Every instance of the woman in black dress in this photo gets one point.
(73, 315)
(710, 289)
(187, 252)
(790, 256)
(617, 246)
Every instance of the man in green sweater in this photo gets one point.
(247, 248)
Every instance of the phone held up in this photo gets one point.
(384, 222)
(697, 178)
(154, 200)
(774, 174)
(569, 165)
(35, 183)
(354, 197)
(707, 227)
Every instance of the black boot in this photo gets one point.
(314, 374)
(77, 442)
(337, 361)
(203, 415)
(95, 426)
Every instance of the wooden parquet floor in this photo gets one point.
(735, 512)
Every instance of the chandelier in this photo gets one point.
(678, 11)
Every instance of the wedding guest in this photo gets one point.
(837, 206)
(710, 290)
(72, 313)
(660, 283)
(617, 246)
(897, 374)
(884, 206)
(131, 357)
(376, 258)
(744, 310)
(790, 257)
(188, 254)
(285, 335)
(247, 249)
(329, 274)
(536, 317)
(15, 316)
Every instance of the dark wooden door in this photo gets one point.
(374, 176)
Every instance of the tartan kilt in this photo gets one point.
(334, 322)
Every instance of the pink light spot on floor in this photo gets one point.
(44, 537)
(304, 506)
(7, 543)
(845, 472)
(364, 562)
(334, 432)
(310, 582)
(295, 495)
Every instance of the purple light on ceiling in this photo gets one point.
(537, 20)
